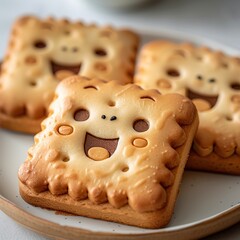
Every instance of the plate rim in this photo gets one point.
(211, 223)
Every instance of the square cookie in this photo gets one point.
(43, 52)
(211, 80)
(110, 151)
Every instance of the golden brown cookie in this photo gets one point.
(43, 52)
(211, 80)
(110, 151)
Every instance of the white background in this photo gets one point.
(214, 19)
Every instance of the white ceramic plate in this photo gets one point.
(207, 202)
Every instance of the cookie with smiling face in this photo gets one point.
(110, 151)
(43, 52)
(211, 80)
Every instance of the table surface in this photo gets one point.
(213, 19)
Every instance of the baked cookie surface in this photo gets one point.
(211, 80)
(43, 52)
(110, 151)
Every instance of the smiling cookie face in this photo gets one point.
(43, 52)
(203, 92)
(197, 73)
(209, 78)
(99, 148)
(106, 141)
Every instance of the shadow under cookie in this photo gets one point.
(20, 124)
(214, 163)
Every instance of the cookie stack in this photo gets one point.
(108, 144)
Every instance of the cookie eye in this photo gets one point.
(212, 80)
(40, 44)
(199, 77)
(113, 118)
(172, 72)
(81, 115)
(100, 52)
(148, 97)
(141, 125)
(235, 86)
(74, 49)
(90, 87)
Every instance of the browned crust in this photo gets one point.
(20, 124)
(126, 214)
(214, 163)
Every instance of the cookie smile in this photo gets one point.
(61, 71)
(99, 148)
(212, 100)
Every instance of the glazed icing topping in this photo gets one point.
(210, 78)
(43, 52)
(109, 142)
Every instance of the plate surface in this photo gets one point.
(207, 202)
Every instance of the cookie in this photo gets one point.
(110, 151)
(211, 80)
(43, 52)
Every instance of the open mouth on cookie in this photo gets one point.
(98, 148)
(60, 70)
(212, 100)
